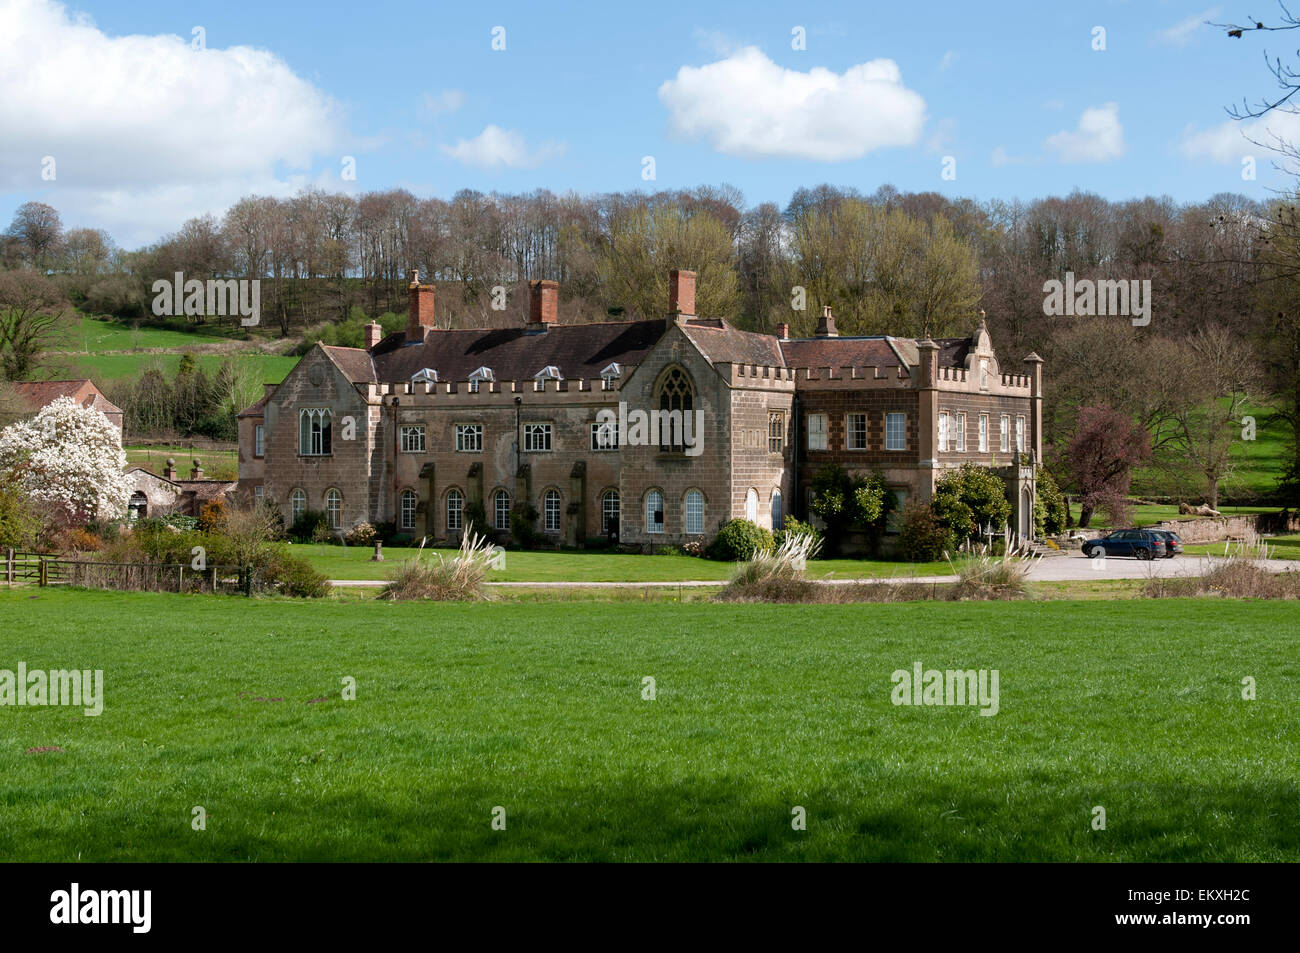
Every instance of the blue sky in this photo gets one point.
(146, 131)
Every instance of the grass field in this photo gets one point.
(269, 368)
(217, 464)
(353, 562)
(212, 702)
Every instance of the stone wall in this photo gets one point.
(1211, 529)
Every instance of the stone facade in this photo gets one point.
(428, 425)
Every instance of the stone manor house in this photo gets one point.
(431, 426)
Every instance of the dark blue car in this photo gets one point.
(1140, 543)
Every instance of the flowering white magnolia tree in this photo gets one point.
(68, 459)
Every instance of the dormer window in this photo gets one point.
(425, 375)
(478, 376)
(610, 374)
(548, 373)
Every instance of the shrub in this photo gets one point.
(363, 534)
(1050, 512)
(738, 540)
(968, 499)
(922, 538)
(212, 515)
(982, 574)
(523, 525)
(294, 576)
(457, 579)
(303, 529)
(20, 522)
(80, 541)
(844, 503)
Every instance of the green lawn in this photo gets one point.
(235, 706)
(93, 334)
(217, 464)
(353, 562)
(1147, 515)
(269, 368)
(1281, 547)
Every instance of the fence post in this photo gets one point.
(43, 578)
(9, 565)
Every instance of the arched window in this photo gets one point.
(751, 505)
(455, 510)
(609, 512)
(409, 501)
(654, 512)
(551, 511)
(501, 509)
(138, 507)
(777, 515)
(694, 512)
(676, 401)
(334, 508)
(314, 436)
(297, 504)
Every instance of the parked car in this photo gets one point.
(1173, 542)
(1141, 543)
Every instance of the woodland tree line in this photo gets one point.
(1225, 278)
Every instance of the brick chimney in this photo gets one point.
(543, 304)
(681, 292)
(826, 326)
(169, 471)
(421, 320)
(374, 334)
(783, 331)
(196, 471)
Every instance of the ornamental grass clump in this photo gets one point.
(458, 579)
(775, 575)
(982, 574)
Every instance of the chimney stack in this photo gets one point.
(374, 334)
(783, 331)
(826, 326)
(421, 320)
(544, 303)
(681, 293)
(169, 471)
(196, 471)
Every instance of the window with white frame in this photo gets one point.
(855, 427)
(334, 508)
(501, 509)
(297, 504)
(469, 438)
(751, 505)
(944, 431)
(413, 438)
(259, 441)
(896, 431)
(409, 502)
(984, 433)
(609, 511)
(259, 494)
(455, 510)
(1005, 443)
(478, 376)
(775, 432)
(1020, 435)
(537, 437)
(551, 511)
(816, 431)
(694, 512)
(604, 436)
(961, 433)
(314, 432)
(775, 509)
(654, 512)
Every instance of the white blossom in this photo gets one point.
(68, 458)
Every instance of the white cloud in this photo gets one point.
(439, 104)
(496, 146)
(1182, 32)
(145, 111)
(147, 121)
(1099, 137)
(1229, 141)
(949, 58)
(1000, 158)
(746, 105)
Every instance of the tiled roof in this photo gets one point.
(578, 350)
(840, 352)
(42, 393)
(352, 361)
(723, 344)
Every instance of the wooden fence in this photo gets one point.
(52, 569)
